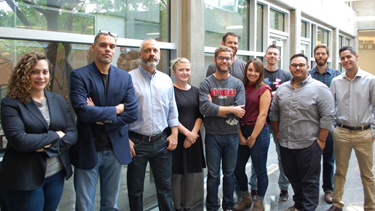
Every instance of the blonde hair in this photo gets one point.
(177, 61)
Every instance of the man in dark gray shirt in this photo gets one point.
(237, 68)
(301, 116)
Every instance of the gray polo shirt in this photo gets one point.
(301, 112)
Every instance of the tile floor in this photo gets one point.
(353, 195)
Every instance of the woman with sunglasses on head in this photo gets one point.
(188, 157)
(254, 134)
(40, 129)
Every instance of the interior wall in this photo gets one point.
(366, 51)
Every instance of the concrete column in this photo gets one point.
(192, 34)
(192, 37)
(295, 32)
(334, 54)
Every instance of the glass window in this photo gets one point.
(137, 19)
(219, 21)
(259, 37)
(341, 41)
(277, 20)
(347, 41)
(322, 36)
(64, 58)
(303, 29)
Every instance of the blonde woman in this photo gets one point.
(188, 157)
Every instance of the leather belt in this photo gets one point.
(363, 127)
(148, 138)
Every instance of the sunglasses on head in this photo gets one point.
(110, 33)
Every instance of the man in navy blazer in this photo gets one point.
(104, 100)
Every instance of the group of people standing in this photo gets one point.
(308, 113)
(143, 117)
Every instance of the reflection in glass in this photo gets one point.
(303, 29)
(64, 58)
(219, 21)
(276, 20)
(137, 19)
(347, 42)
(322, 36)
(341, 40)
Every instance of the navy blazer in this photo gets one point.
(27, 131)
(86, 82)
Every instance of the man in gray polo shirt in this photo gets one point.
(237, 68)
(301, 116)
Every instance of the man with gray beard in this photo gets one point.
(154, 135)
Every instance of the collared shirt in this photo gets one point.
(355, 99)
(157, 107)
(301, 112)
(326, 77)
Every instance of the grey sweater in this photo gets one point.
(227, 92)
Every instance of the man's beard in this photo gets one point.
(321, 63)
(150, 64)
(221, 70)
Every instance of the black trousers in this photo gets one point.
(302, 167)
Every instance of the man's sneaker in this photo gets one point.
(291, 209)
(284, 195)
(254, 194)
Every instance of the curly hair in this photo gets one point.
(19, 85)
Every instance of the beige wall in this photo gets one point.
(366, 56)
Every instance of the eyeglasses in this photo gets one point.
(222, 58)
(298, 65)
(110, 33)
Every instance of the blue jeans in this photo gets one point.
(283, 180)
(328, 164)
(258, 154)
(108, 169)
(46, 197)
(161, 165)
(221, 148)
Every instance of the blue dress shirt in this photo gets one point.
(157, 107)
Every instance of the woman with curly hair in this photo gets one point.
(254, 134)
(40, 129)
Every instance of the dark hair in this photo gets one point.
(272, 46)
(123, 55)
(299, 55)
(231, 34)
(321, 46)
(258, 65)
(19, 82)
(349, 48)
(223, 49)
(133, 54)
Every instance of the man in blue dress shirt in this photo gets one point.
(154, 135)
